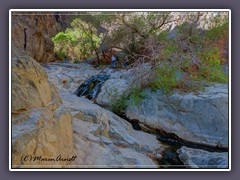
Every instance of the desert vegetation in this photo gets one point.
(183, 49)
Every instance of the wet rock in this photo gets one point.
(191, 117)
(73, 75)
(122, 83)
(158, 156)
(101, 138)
(91, 87)
(196, 158)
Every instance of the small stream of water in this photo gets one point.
(170, 156)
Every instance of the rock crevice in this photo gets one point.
(191, 117)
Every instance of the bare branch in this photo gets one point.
(135, 29)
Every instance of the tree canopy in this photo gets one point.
(193, 42)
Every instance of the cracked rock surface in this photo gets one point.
(101, 139)
(196, 158)
(198, 118)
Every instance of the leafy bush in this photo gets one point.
(169, 50)
(217, 32)
(166, 78)
(133, 98)
(210, 68)
(136, 96)
(190, 86)
(163, 36)
(217, 37)
(60, 54)
(119, 105)
(78, 42)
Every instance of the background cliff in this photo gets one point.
(40, 125)
(32, 32)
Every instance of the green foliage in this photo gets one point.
(135, 96)
(166, 78)
(77, 42)
(163, 36)
(145, 35)
(196, 39)
(64, 37)
(119, 105)
(210, 68)
(60, 55)
(216, 32)
(169, 50)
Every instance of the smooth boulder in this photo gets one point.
(196, 158)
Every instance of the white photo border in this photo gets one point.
(117, 10)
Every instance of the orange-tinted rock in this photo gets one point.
(32, 32)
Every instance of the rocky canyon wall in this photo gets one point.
(32, 32)
(41, 127)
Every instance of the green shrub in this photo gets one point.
(190, 86)
(135, 97)
(119, 105)
(166, 78)
(163, 36)
(60, 54)
(169, 50)
(210, 68)
(217, 32)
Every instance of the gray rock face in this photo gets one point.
(115, 87)
(121, 83)
(201, 118)
(111, 91)
(196, 158)
(68, 77)
(101, 138)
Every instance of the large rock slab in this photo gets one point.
(30, 86)
(41, 133)
(102, 139)
(111, 91)
(41, 127)
(121, 83)
(199, 118)
(69, 76)
(196, 158)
